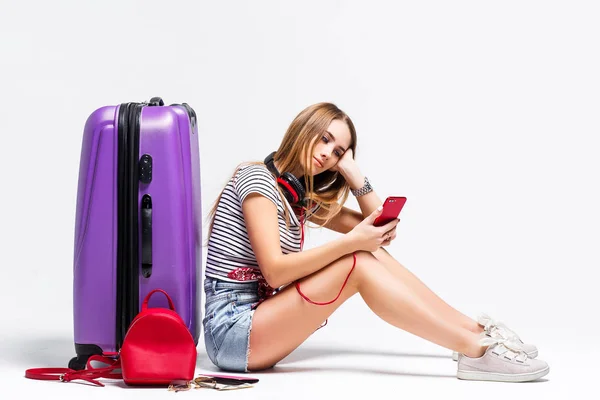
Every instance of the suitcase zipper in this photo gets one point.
(127, 218)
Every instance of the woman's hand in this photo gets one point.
(368, 237)
(345, 163)
(391, 235)
(348, 168)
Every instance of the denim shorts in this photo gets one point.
(228, 321)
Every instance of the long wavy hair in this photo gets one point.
(328, 189)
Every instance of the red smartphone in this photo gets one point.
(391, 209)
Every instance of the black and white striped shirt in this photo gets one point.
(228, 245)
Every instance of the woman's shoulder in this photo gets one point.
(255, 178)
(254, 171)
(252, 166)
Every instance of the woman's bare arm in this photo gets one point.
(280, 269)
(348, 218)
(343, 222)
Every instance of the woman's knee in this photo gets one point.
(364, 264)
(344, 267)
(364, 258)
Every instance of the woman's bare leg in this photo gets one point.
(443, 309)
(283, 322)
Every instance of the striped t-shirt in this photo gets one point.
(228, 245)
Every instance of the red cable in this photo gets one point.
(327, 302)
(298, 284)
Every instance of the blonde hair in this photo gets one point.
(325, 189)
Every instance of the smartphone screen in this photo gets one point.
(391, 210)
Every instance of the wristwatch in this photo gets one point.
(363, 190)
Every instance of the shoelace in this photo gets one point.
(492, 326)
(504, 347)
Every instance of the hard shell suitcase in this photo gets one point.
(138, 221)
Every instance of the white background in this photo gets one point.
(484, 114)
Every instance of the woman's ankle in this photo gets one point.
(474, 326)
(472, 348)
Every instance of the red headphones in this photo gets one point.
(292, 187)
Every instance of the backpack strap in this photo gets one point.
(90, 374)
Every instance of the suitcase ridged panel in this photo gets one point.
(166, 140)
(94, 287)
(197, 227)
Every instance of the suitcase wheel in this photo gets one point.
(78, 363)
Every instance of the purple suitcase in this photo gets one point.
(138, 223)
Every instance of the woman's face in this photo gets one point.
(330, 147)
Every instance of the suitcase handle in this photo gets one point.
(146, 236)
(156, 101)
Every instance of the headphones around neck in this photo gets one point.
(292, 187)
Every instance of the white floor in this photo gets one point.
(390, 364)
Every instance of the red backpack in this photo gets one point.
(157, 350)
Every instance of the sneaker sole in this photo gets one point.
(491, 376)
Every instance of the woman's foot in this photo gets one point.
(504, 360)
(497, 329)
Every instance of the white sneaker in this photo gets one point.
(504, 361)
(497, 329)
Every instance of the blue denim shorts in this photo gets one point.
(228, 321)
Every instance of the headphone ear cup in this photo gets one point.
(292, 187)
(286, 192)
(296, 185)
